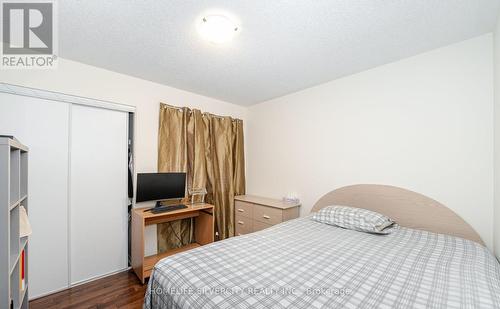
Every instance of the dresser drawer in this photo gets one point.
(243, 209)
(257, 226)
(268, 215)
(242, 225)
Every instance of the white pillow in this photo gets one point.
(355, 219)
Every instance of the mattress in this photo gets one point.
(306, 264)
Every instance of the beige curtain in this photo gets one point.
(210, 150)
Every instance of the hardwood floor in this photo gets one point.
(122, 290)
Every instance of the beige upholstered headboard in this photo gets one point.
(407, 208)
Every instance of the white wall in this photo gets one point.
(424, 123)
(79, 79)
(83, 80)
(497, 138)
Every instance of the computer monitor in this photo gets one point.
(160, 186)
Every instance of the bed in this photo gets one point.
(433, 260)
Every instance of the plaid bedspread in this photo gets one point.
(307, 264)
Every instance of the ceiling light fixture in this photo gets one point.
(217, 29)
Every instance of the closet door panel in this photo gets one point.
(98, 193)
(43, 126)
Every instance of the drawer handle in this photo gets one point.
(240, 222)
(266, 217)
(240, 210)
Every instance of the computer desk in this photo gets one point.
(203, 234)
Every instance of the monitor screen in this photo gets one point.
(160, 186)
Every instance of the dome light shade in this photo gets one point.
(217, 29)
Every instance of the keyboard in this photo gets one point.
(167, 208)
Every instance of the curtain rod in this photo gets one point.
(189, 110)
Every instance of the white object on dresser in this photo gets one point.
(255, 213)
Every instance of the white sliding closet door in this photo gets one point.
(98, 192)
(43, 126)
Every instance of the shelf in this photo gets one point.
(14, 205)
(18, 202)
(15, 144)
(14, 189)
(151, 260)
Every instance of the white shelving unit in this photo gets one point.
(13, 194)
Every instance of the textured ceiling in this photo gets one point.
(283, 46)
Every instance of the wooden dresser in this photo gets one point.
(255, 213)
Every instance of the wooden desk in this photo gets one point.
(203, 233)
